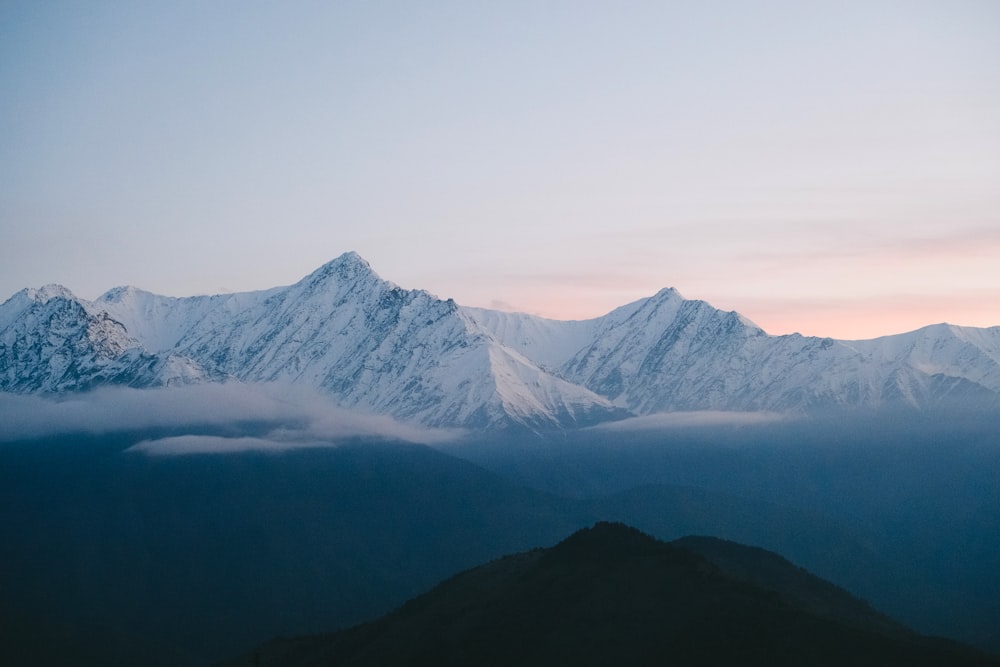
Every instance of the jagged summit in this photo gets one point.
(667, 293)
(28, 299)
(44, 293)
(349, 268)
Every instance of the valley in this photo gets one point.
(195, 557)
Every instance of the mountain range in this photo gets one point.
(373, 346)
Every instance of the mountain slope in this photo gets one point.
(381, 348)
(800, 588)
(160, 322)
(612, 595)
(667, 353)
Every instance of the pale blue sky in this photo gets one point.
(826, 167)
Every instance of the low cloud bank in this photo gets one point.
(203, 444)
(666, 420)
(113, 409)
(294, 417)
(210, 444)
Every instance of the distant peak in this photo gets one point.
(668, 293)
(350, 260)
(118, 294)
(350, 257)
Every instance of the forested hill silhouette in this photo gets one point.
(613, 595)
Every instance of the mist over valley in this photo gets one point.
(198, 555)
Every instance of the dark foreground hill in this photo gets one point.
(613, 595)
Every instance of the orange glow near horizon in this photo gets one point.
(867, 320)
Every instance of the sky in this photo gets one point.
(831, 168)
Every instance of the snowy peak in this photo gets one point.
(122, 294)
(47, 292)
(51, 343)
(378, 347)
(664, 353)
(667, 294)
(349, 272)
(28, 298)
(940, 350)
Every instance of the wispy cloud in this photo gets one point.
(666, 420)
(964, 242)
(970, 242)
(290, 417)
(206, 444)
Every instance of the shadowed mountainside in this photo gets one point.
(613, 595)
(194, 558)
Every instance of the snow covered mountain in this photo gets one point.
(342, 330)
(374, 346)
(51, 341)
(667, 353)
